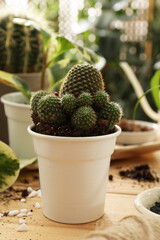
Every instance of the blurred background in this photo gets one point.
(118, 30)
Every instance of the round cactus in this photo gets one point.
(35, 100)
(85, 99)
(68, 103)
(48, 107)
(84, 118)
(81, 78)
(21, 45)
(112, 113)
(101, 98)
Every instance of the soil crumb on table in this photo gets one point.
(139, 173)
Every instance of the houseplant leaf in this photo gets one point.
(155, 81)
(9, 166)
(64, 45)
(139, 99)
(15, 82)
(25, 162)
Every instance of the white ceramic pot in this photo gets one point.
(34, 82)
(73, 175)
(18, 117)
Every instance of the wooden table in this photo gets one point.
(119, 203)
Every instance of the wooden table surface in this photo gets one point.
(120, 195)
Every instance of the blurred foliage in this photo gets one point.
(95, 31)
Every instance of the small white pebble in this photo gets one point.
(13, 213)
(23, 200)
(22, 228)
(24, 210)
(39, 193)
(32, 194)
(29, 213)
(21, 215)
(22, 221)
(37, 205)
(29, 189)
(1, 214)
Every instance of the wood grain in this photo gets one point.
(120, 195)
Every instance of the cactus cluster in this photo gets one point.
(75, 113)
(21, 45)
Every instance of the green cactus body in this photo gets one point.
(35, 100)
(21, 46)
(68, 103)
(101, 98)
(112, 113)
(85, 99)
(84, 118)
(82, 78)
(48, 107)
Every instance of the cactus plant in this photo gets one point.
(101, 99)
(21, 45)
(84, 118)
(35, 100)
(82, 78)
(84, 99)
(68, 103)
(112, 113)
(48, 108)
(88, 114)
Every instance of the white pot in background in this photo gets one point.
(34, 82)
(73, 175)
(18, 118)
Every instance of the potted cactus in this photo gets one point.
(26, 50)
(22, 53)
(74, 135)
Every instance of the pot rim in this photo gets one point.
(61, 138)
(11, 102)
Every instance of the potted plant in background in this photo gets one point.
(74, 135)
(24, 148)
(22, 53)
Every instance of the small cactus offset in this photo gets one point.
(77, 112)
(84, 118)
(68, 103)
(21, 45)
(112, 113)
(85, 99)
(48, 108)
(35, 100)
(101, 99)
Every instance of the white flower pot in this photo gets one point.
(18, 117)
(34, 82)
(73, 175)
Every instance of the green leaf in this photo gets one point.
(64, 45)
(46, 38)
(139, 99)
(15, 82)
(26, 162)
(9, 171)
(155, 81)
